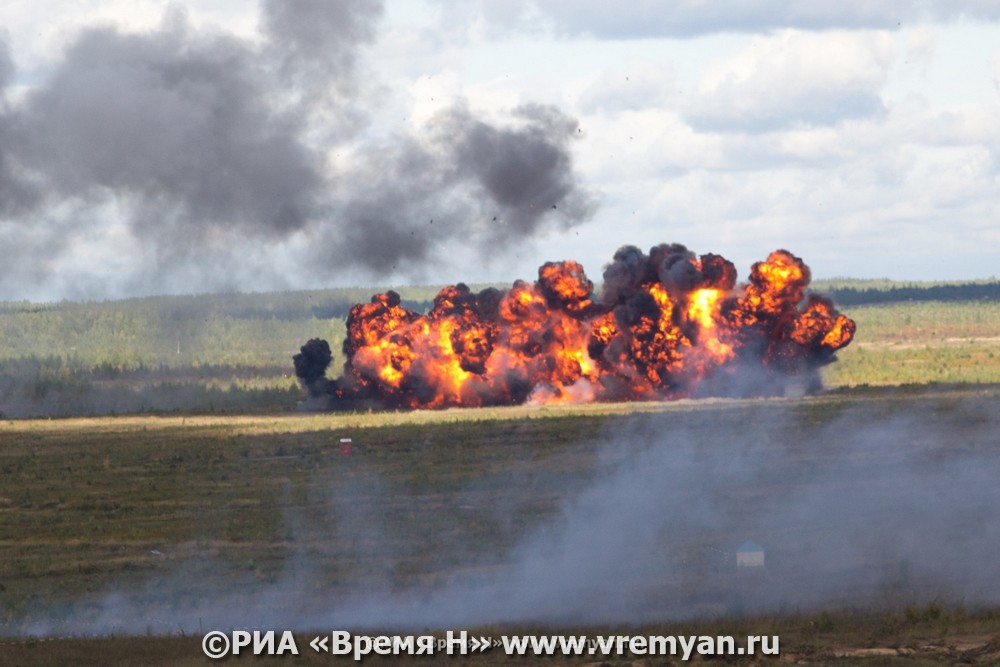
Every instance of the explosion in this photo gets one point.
(667, 325)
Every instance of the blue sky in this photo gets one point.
(861, 136)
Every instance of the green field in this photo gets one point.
(921, 342)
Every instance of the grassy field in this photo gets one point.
(920, 342)
(169, 525)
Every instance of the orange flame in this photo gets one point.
(672, 325)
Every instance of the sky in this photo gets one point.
(198, 146)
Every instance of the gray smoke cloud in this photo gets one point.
(16, 196)
(318, 38)
(870, 506)
(468, 179)
(206, 145)
(175, 123)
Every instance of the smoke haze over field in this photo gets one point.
(874, 506)
(879, 515)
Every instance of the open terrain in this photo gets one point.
(921, 342)
(173, 525)
(181, 490)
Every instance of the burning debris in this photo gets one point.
(667, 325)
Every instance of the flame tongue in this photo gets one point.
(667, 324)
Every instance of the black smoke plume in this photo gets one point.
(311, 363)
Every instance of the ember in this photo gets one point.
(666, 325)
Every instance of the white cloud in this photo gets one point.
(794, 78)
(642, 19)
(430, 95)
(41, 28)
(686, 18)
(636, 84)
(920, 46)
(887, 195)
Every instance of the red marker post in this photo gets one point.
(345, 446)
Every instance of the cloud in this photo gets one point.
(983, 10)
(16, 195)
(638, 84)
(692, 18)
(794, 78)
(920, 47)
(6, 63)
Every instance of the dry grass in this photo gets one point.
(919, 343)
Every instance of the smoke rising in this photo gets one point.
(867, 506)
(206, 146)
(315, 42)
(491, 186)
(311, 363)
(176, 124)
